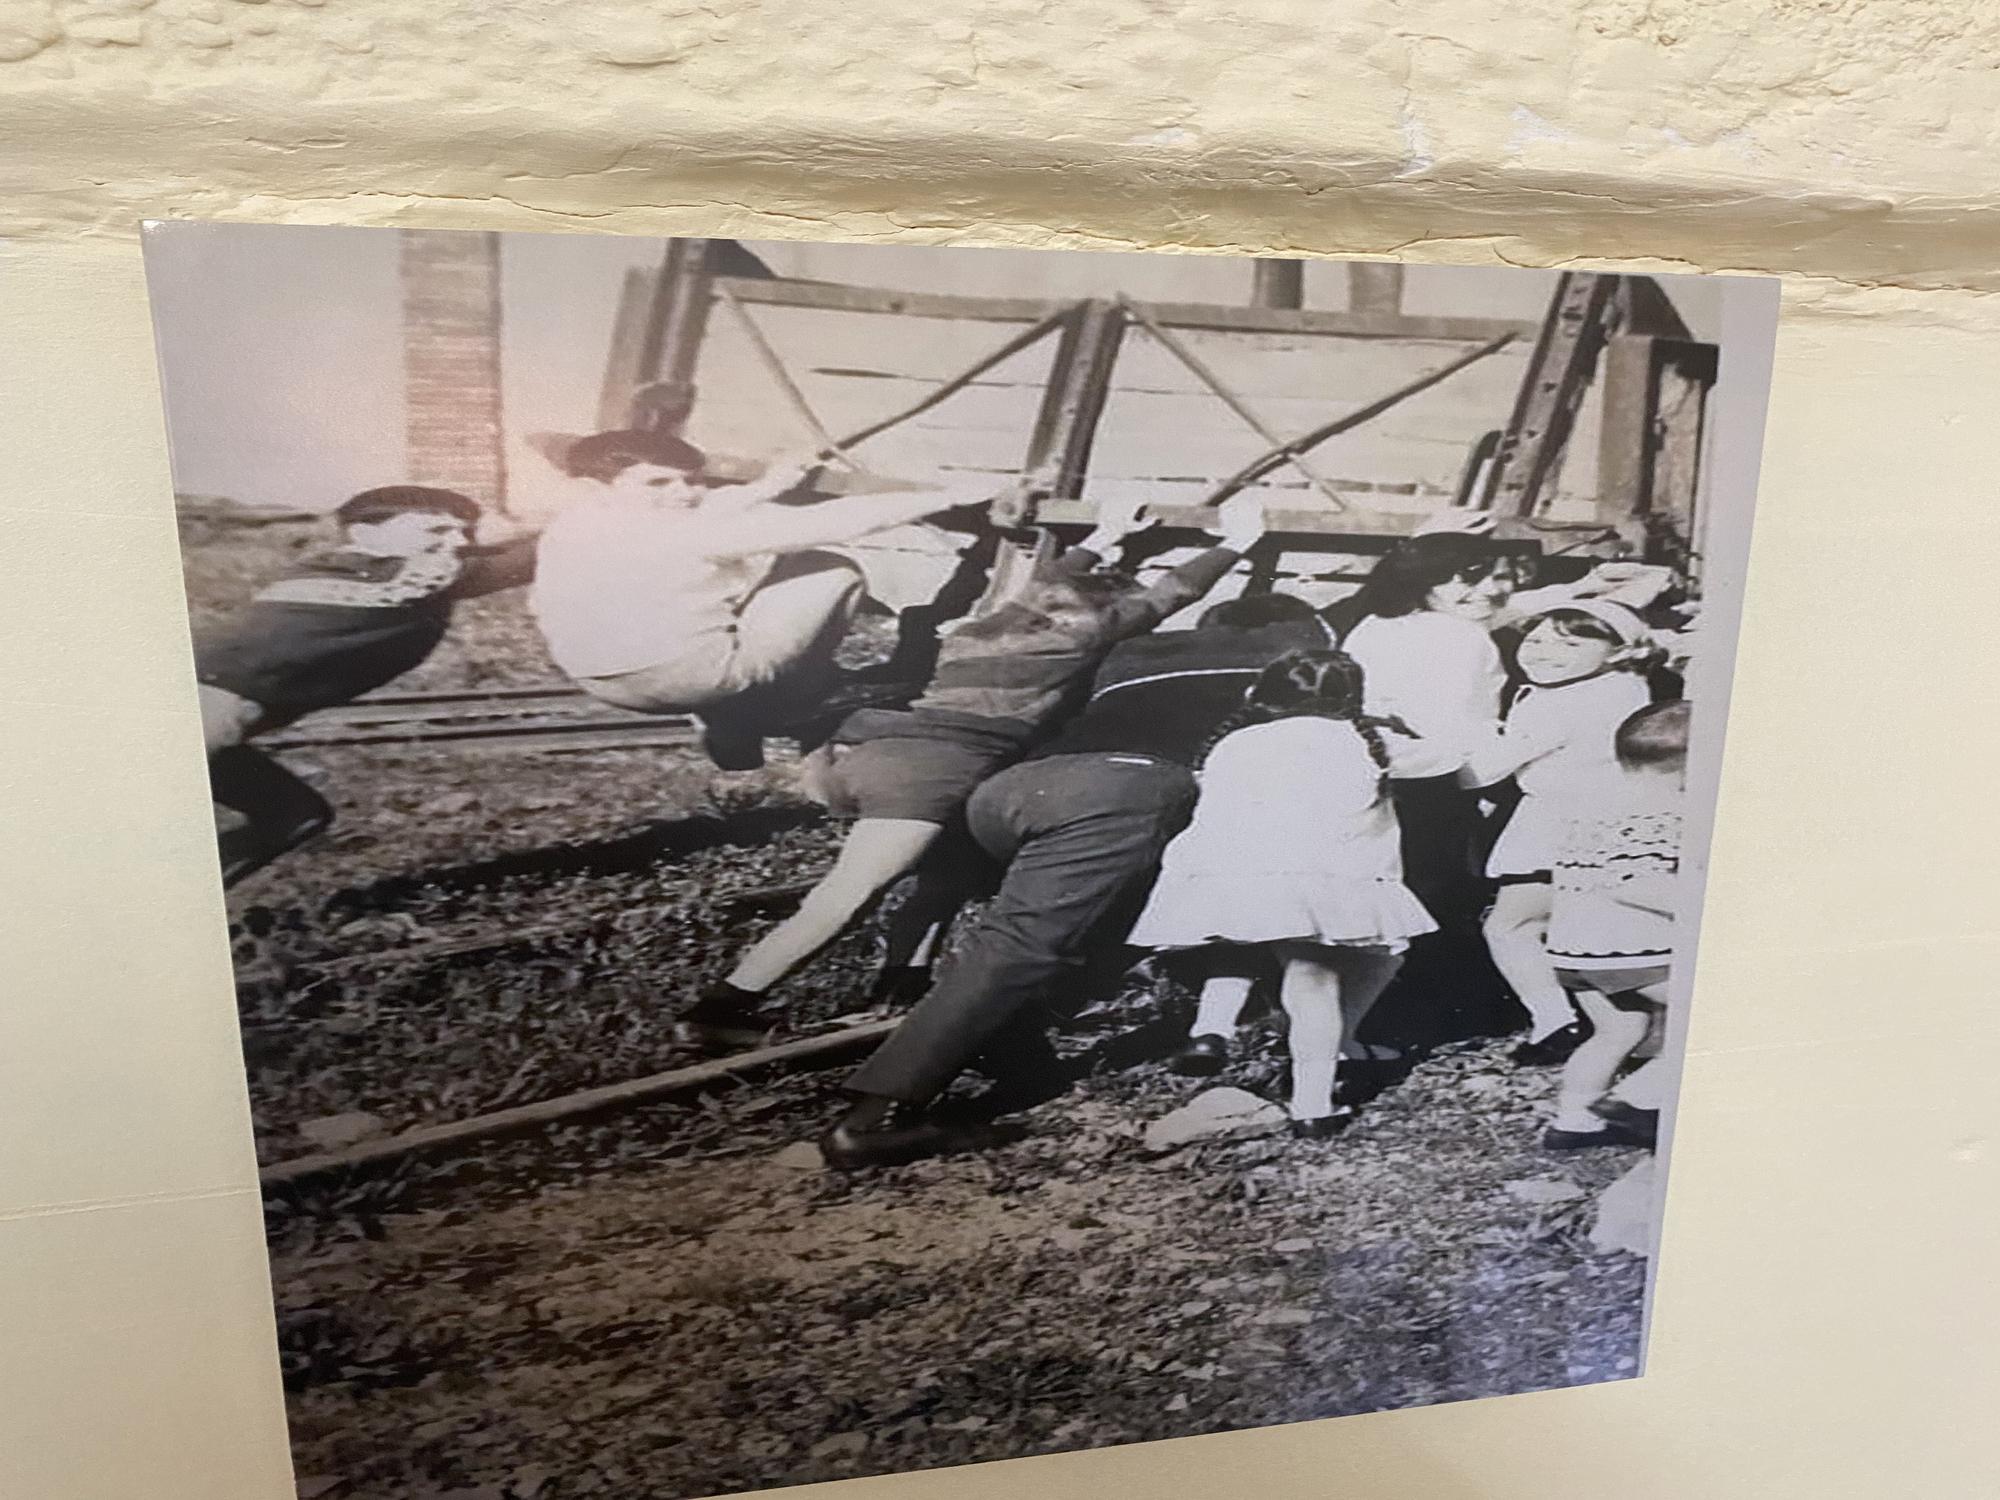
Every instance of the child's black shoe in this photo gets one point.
(1552, 1049)
(1200, 1057)
(726, 1018)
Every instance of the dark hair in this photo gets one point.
(1575, 624)
(605, 455)
(1319, 684)
(1248, 611)
(1657, 735)
(1399, 583)
(399, 499)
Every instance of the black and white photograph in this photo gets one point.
(845, 859)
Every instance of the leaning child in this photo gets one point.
(1293, 856)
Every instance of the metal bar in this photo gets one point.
(813, 1049)
(1209, 378)
(1251, 472)
(775, 367)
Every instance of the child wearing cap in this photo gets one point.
(341, 624)
(660, 591)
(1584, 663)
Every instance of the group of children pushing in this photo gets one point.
(1343, 825)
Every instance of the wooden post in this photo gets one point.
(672, 342)
(1079, 382)
(1277, 283)
(621, 364)
(1683, 374)
(1374, 287)
(1624, 444)
(451, 362)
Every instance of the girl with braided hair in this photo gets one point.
(1293, 855)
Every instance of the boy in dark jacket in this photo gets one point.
(341, 624)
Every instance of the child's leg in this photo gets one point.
(877, 852)
(1223, 997)
(1364, 974)
(796, 620)
(1587, 1074)
(1514, 930)
(917, 928)
(1646, 1086)
(279, 810)
(1310, 991)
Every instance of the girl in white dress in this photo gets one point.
(1294, 849)
(1584, 664)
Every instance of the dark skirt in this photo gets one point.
(1448, 989)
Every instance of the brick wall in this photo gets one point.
(451, 361)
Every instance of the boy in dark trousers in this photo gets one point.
(341, 624)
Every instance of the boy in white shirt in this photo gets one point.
(659, 592)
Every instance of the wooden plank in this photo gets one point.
(1229, 398)
(957, 383)
(1350, 420)
(810, 1050)
(782, 377)
(1219, 316)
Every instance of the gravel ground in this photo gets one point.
(680, 1300)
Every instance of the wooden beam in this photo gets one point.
(812, 1049)
(1079, 383)
(1217, 316)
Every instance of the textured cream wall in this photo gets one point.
(1825, 1324)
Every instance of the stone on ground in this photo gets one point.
(332, 1132)
(1625, 1212)
(1223, 1114)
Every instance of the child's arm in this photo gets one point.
(766, 527)
(1239, 525)
(489, 569)
(1507, 751)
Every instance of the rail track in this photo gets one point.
(820, 1050)
(554, 717)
